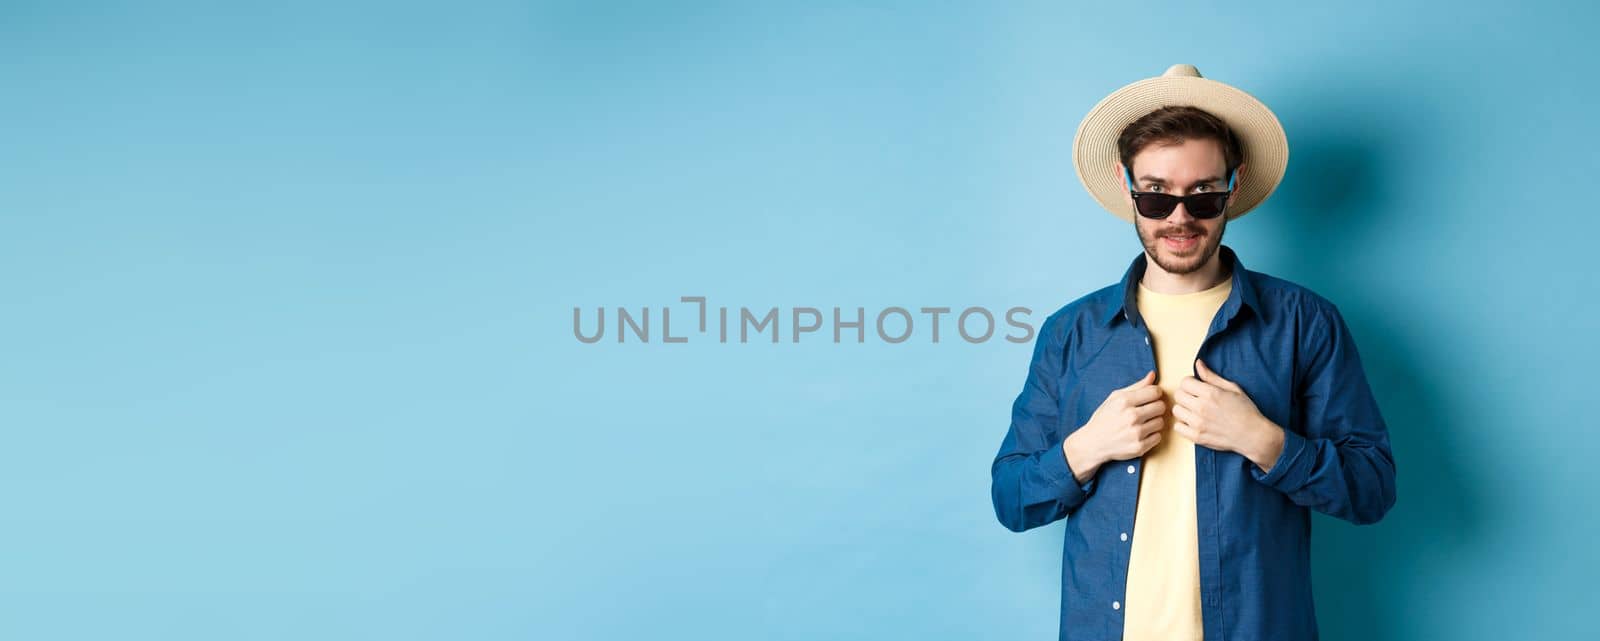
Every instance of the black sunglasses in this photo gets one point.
(1154, 204)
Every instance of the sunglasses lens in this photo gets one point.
(1154, 205)
(1207, 205)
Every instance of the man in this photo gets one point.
(1185, 420)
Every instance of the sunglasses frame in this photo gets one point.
(1188, 201)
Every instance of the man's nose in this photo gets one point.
(1180, 214)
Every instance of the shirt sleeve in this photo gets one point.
(1341, 465)
(1032, 482)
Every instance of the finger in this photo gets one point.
(1154, 408)
(1142, 395)
(1184, 414)
(1147, 379)
(1150, 441)
(1194, 386)
(1212, 377)
(1185, 399)
(1153, 425)
(1184, 430)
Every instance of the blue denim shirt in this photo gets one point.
(1290, 351)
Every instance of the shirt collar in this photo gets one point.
(1123, 295)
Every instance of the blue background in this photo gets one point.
(288, 292)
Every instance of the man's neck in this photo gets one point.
(1161, 281)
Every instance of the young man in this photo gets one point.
(1185, 420)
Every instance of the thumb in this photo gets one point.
(1148, 378)
(1212, 377)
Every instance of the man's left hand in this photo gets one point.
(1215, 412)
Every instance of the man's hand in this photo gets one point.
(1126, 425)
(1215, 412)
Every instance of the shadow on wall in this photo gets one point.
(1367, 577)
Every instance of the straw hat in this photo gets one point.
(1261, 137)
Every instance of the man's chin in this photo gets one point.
(1180, 263)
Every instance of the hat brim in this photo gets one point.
(1261, 137)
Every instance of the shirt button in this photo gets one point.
(1124, 536)
(1130, 469)
(1116, 605)
(1147, 340)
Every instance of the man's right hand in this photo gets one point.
(1125, 426)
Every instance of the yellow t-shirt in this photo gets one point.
(1163, 595)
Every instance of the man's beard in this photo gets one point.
(1184, 264)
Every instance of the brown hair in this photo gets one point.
(1175, 124)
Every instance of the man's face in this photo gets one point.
(1180, 243)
